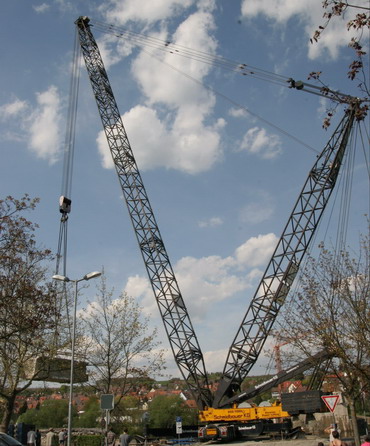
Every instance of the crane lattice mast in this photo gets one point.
(285, 262)
(280, 272)
(180, 332)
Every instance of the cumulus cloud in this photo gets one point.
(237, 112)
(280, 10)
(256, 251)
(138, 286)
(171, 128)
(215, 360)
(114, 51)
(44, 125)
(205, 282)
(208, 280)
(123, 11)
(258, 142)
(38, 126)
(161, 146)
(13, 109)
(162, 84)
(211, 279)
(310, 14)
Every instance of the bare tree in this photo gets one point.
(118, 344)
(29, 313)
(331, 311)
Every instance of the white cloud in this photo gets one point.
(13, 109)
(324, 106)
(257, 141)
(256, 251)
(191, 150)
(44, 125)
(208, 280)
(39, 126)
(278, 10)
(211, 222)
(137, 286)
(211, 279)
(215, 360)
(204, 282)
(237, 112)
(122, 11)
(161, 84)
(178, 136)
(310, 15)
(41, 8)
(105, 154)
(112, 55)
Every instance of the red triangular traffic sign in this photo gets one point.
(330, 401)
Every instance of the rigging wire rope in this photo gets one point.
(69, 144)
(169, 47)
(343, 194)
(144, 41)
(241, 68)
(66, 189)
(237, 104)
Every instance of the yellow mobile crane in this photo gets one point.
(220, 409)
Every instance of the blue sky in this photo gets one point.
(221, 181)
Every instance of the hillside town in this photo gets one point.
(145, 395)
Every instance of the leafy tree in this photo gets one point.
(332, 311)
(164, 409)
(118, 344)
(128, 412)
(29, 417)
(52, 413)
(90, 415)
(29, 306)
(265, 396)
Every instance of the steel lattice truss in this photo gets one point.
(280, 272)
(180, 332)
(284, 264)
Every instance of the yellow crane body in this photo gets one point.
(242, 414)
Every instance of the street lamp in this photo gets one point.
(71, 380)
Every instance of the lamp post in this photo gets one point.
(71, 380)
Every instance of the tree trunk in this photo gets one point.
(353, 418)
(8, 412)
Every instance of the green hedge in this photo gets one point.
(88, 440)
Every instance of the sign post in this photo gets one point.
(331, 401)
(107, 404)
(178, 426)
(146, 418)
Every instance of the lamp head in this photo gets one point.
(61, 278)
(92, 275)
